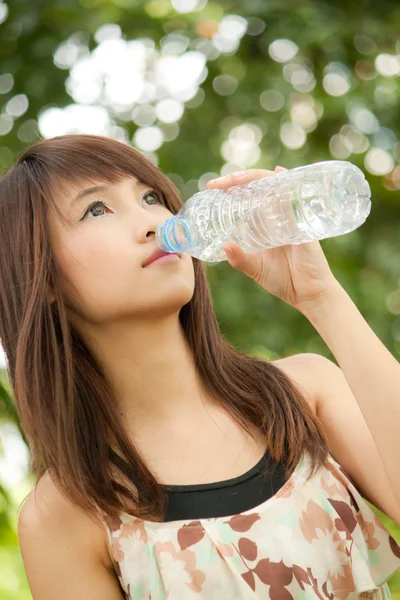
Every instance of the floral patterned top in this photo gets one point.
(315, 539)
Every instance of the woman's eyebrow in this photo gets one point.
(87, 192)
(96, 189)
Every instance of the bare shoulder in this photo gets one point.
(61, 549)
(303, 369)
(47, 508)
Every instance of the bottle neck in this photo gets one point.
(174, 235)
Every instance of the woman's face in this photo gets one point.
(104, 248)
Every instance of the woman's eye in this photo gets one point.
(154, 194)
(93, 205)
(151, 194)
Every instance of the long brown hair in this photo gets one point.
(63, 399)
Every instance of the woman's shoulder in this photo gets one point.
(52, 510)
(300, 369)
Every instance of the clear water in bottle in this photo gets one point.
(316, 201)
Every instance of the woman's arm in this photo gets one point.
(371, 372)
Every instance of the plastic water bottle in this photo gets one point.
(313, 202)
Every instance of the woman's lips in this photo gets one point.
(166, 258)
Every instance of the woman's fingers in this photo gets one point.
(239, 177)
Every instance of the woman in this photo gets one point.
(168, 464)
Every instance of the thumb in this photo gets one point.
(232, 252)
(246, 262)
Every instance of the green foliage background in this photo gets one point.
(366, 262)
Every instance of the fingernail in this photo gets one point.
(229, 252)
(238, 174)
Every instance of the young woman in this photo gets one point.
(168, 464)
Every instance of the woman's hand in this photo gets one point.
(298, 274)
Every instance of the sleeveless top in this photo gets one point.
(309, 539)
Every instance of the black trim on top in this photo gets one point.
(200, 487)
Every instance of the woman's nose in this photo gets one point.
(148, 227)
